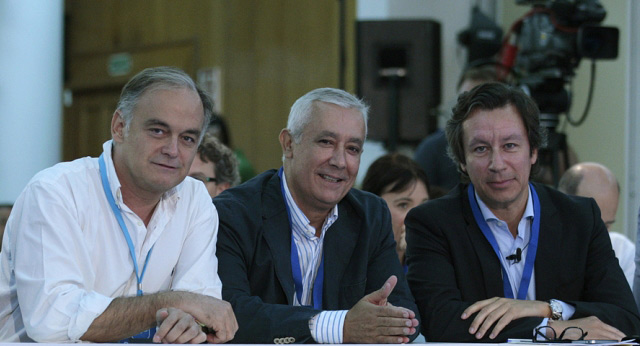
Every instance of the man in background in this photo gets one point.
(431, 153)
(215, 165)
(590, 179)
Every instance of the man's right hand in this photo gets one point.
(592, 325)
(374, 320)
(216, 314)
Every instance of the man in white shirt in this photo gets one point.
(104, 249)
(503, 258)
(590, 179)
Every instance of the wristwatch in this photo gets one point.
(556, 310)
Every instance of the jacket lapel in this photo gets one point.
(277, 234)
(549, 243)
(486, 257)
(339, 242)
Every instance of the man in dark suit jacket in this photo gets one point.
(312, 201)
(552, 250)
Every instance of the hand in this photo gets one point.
(592, 325)
(177, 327)
(374, 320)
(217, 315)
(502, 311)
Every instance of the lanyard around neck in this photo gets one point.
(295, 261)
(533, 243)
(123, 226)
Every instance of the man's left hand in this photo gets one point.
(502, 311)
(177, 327)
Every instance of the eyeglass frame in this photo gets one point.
(556, 339)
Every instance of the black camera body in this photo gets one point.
(552, 39)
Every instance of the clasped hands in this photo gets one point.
(374, 320)
(501, 311)
(178, 326)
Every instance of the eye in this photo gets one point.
(480, 149)
(403, 205)
(189, 139)
(354, 149)
(156, 131)
(324, 141)
(510, 146)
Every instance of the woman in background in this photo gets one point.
(403, 185)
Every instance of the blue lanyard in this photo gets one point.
(295, 261)
(533, 243)
(123, 226)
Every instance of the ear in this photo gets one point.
(463, 168)
(286, 142)
(534, 156)
(117, 127)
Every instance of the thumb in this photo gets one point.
(380, 296)
(161, 315)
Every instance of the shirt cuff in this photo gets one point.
(90, 307)
(567, 310)
(327, 327)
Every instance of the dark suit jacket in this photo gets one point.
(254, 246)
(452, 265)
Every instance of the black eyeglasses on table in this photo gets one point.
(542, 333)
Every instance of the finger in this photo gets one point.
(200, 338)
(501, 309)
(394, 311)
(165, 324)
(502, 323)
(477, 306)
(395, 331)
(380, 296)
(181, 329)
(391, 340)
(192, 334)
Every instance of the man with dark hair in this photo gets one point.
(502, 257)
(215, 165)
(103, 249)
(304, 257)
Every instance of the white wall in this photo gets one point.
(30, 91)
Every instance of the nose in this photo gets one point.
(497, 161)
(170, 147)
(338, 158)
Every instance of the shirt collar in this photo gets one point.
(489, 215)
(299, 222)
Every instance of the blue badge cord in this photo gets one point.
(123, 226)
(533, 243)
(295, 261)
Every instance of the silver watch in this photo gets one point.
(556, 310)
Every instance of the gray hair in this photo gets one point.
(303, 109)
(159, 78)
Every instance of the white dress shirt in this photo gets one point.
(327, 326)
(625, 252)
(508, 245)
(64, 257)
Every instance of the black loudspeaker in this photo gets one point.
(399, 77)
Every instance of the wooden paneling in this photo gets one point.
(270, 52)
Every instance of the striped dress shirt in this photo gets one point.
(327, 326)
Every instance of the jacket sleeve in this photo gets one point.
(435, 274)
(606, 293)
(259, 322)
